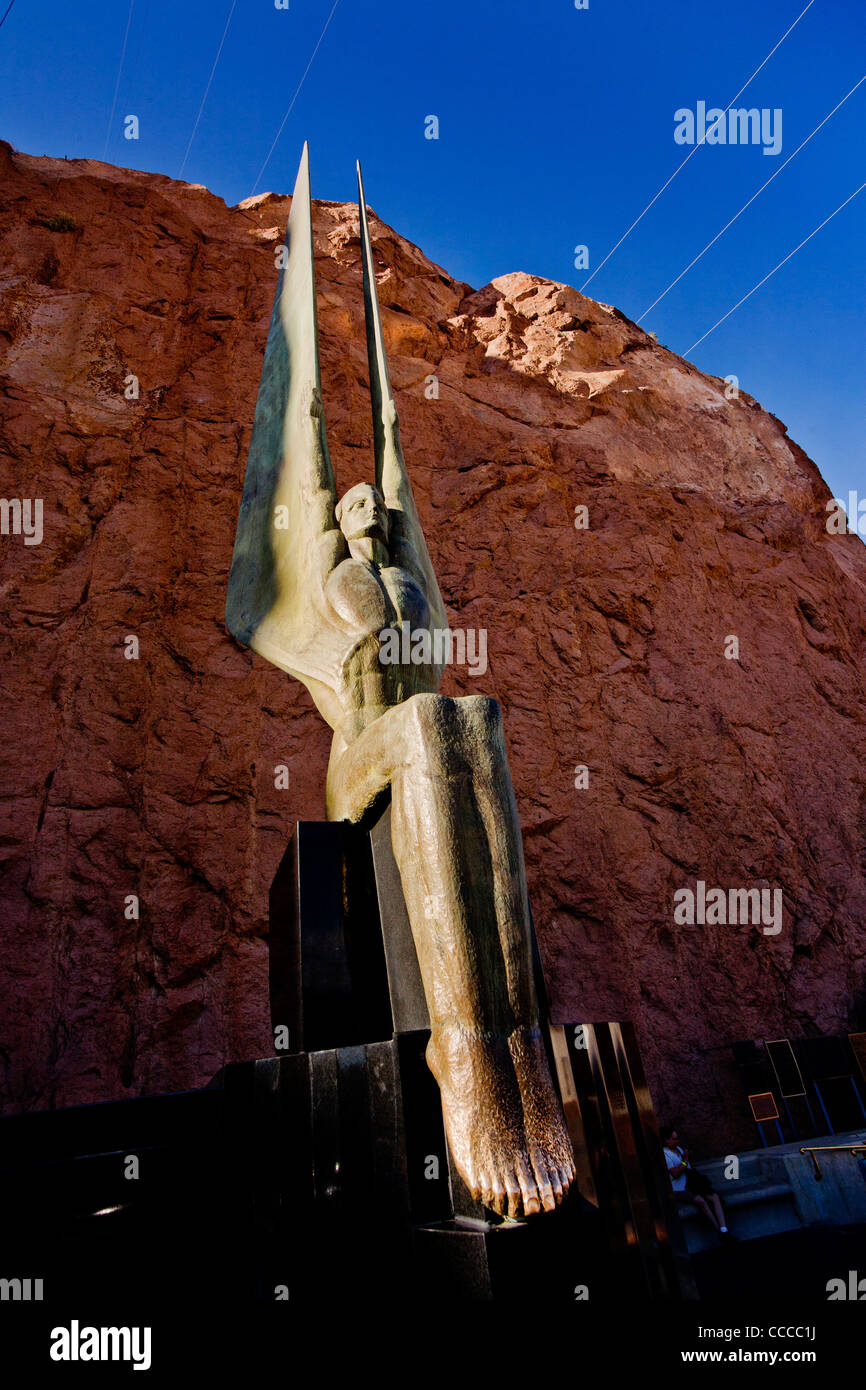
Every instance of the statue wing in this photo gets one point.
(392, 479)
(287, 539)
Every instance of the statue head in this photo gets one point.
(362, 512)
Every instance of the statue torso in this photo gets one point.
(367, 598)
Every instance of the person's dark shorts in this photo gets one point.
(697, 1184)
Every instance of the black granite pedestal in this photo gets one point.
(321, 1175)
(339, 1144)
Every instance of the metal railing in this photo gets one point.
(814, 1149)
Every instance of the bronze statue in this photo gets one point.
(314, 582)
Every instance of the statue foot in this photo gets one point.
(511, 1150)
(543, 1122)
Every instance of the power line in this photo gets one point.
(8, 8)
(695, 148)
(207, 88)
(749, 203)
(295, 97)
(117, 83)
(775, 268)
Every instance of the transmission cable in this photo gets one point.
(748, 204)
(207, 88)
(694, 149)
(775, 268)
(117, 83)
(295, 97)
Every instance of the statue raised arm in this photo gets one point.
(392, 479)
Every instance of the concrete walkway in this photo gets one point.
(765, 1191)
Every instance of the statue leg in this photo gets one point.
(457, 844)
(547, 1140)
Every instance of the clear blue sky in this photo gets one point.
(556, 129)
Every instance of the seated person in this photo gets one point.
(690, 1186)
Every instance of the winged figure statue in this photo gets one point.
(315, 583)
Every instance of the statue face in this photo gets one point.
(362, 512)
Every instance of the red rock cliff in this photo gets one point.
(606, 645)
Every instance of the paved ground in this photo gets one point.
(794, 1264)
